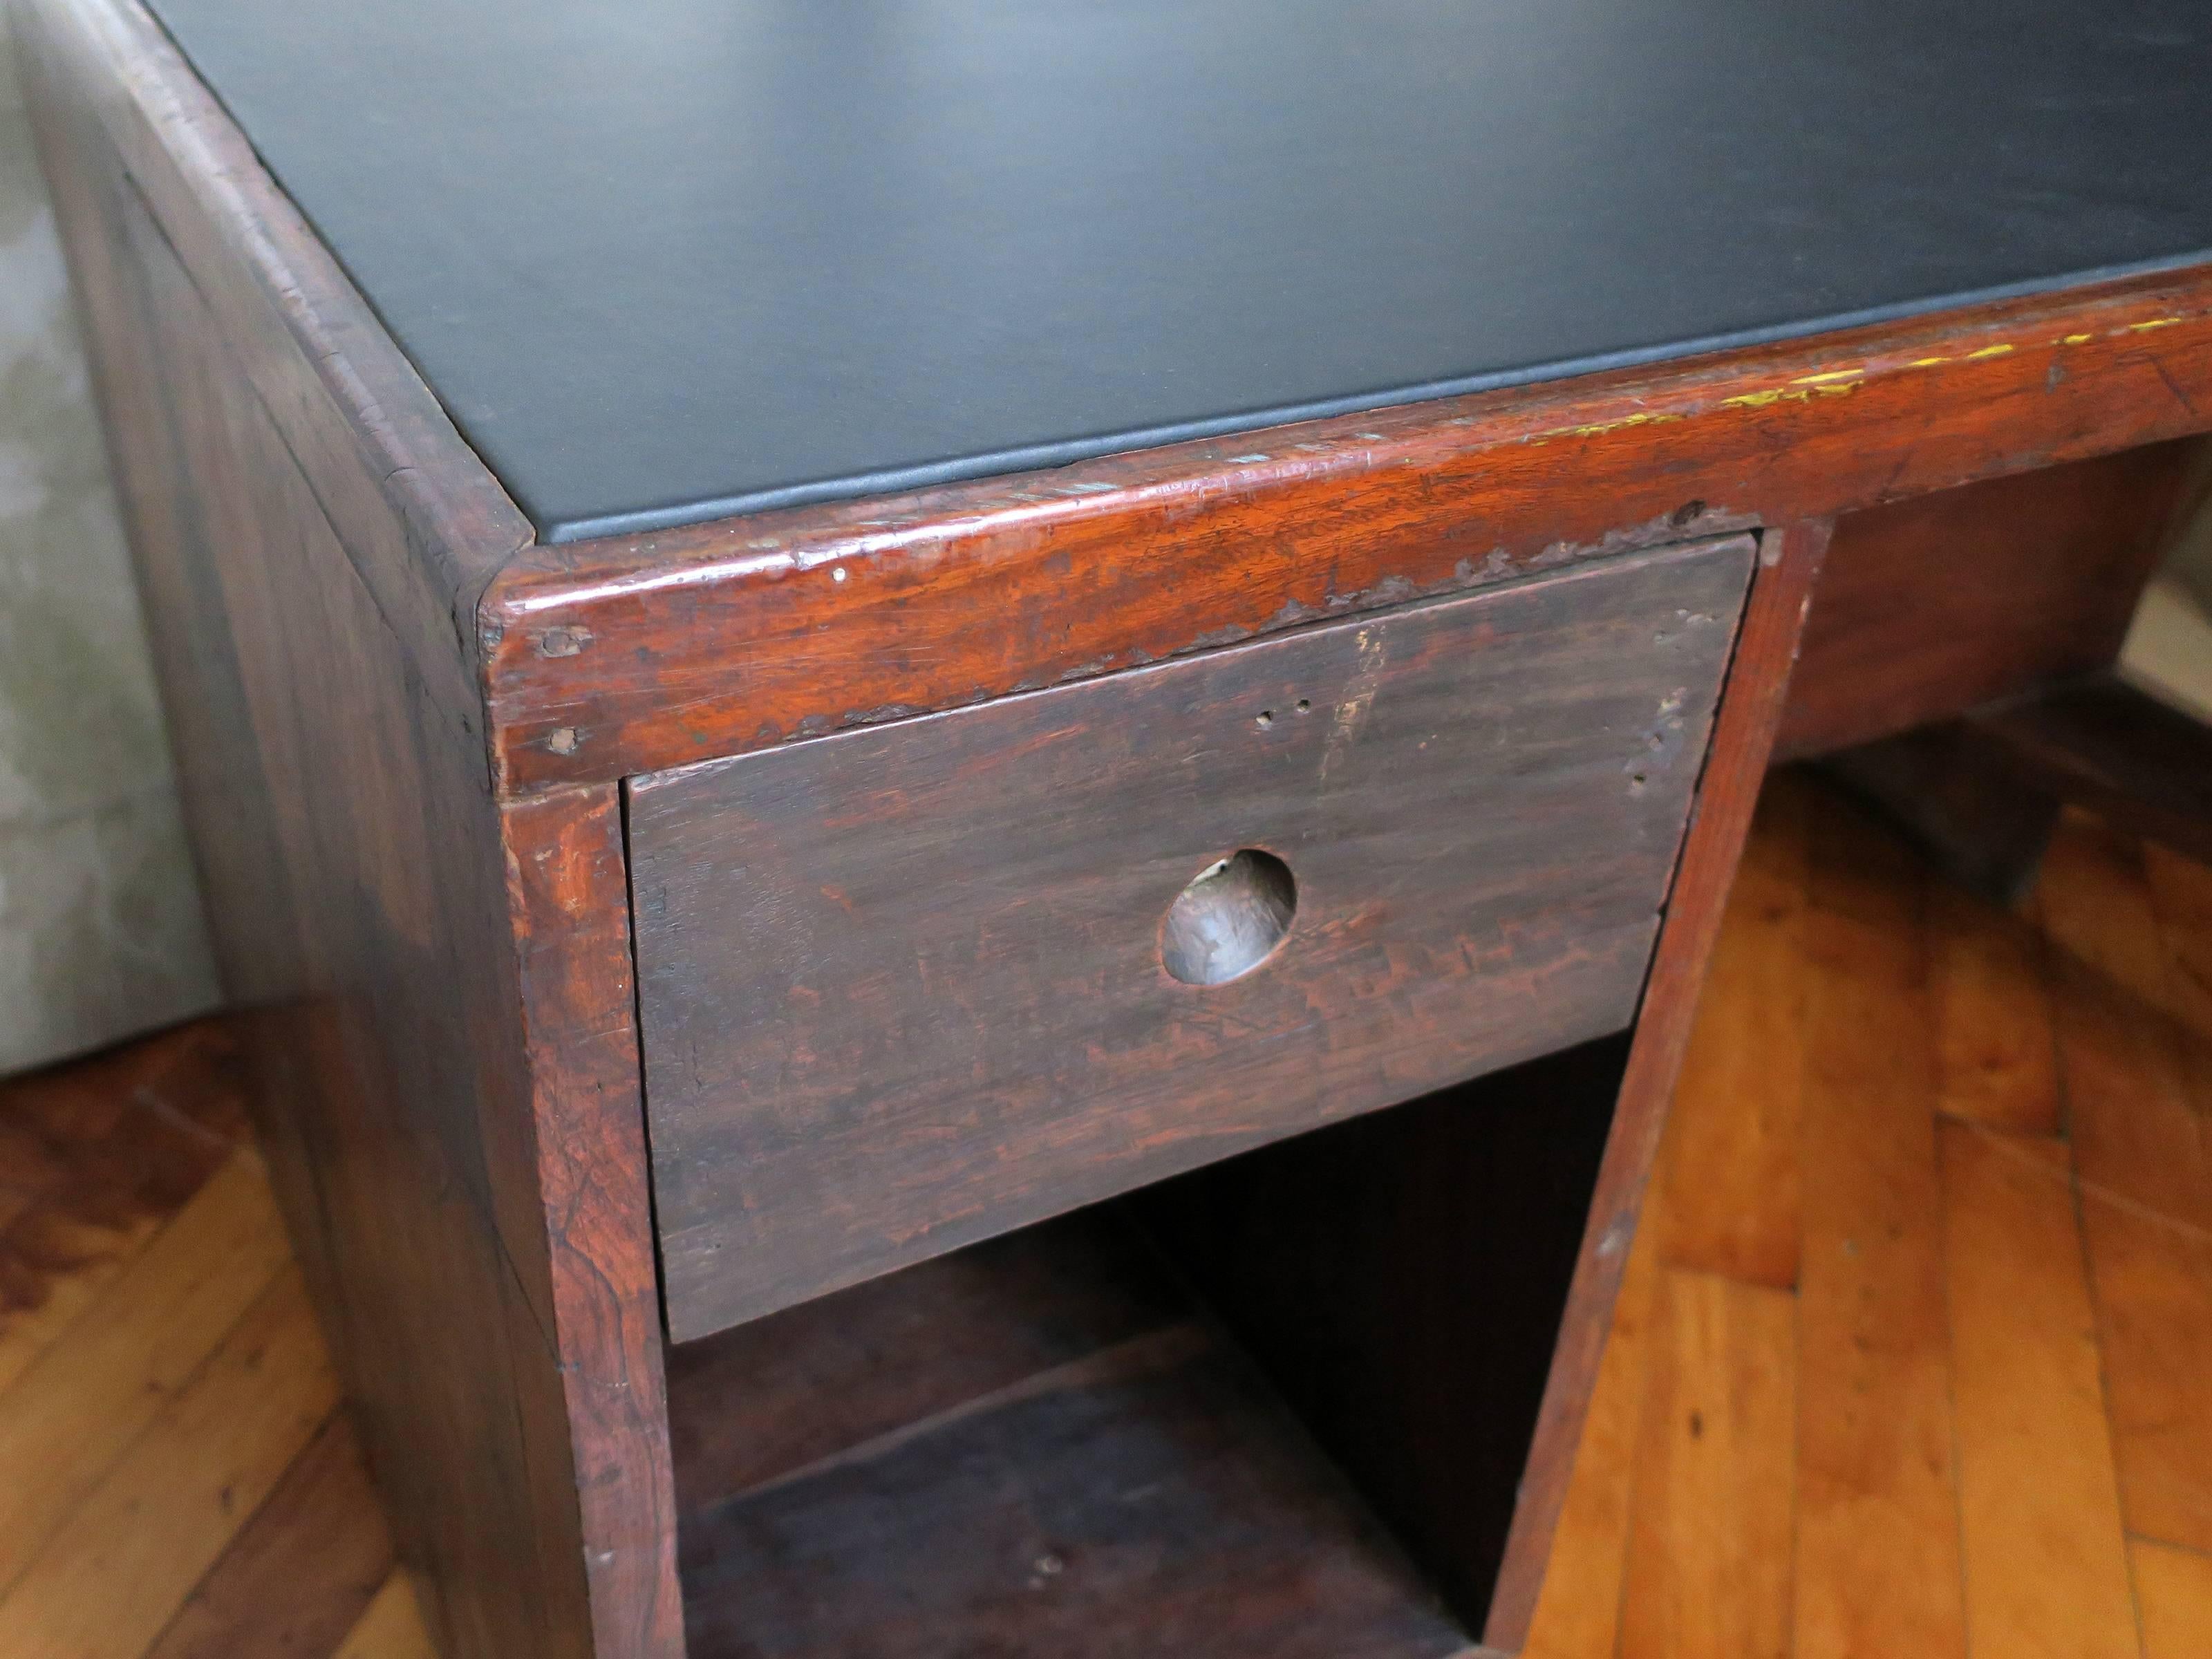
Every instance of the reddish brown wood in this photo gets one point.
(426, 524)
(904, 988)
(611, 657)
(403, 740)
(1743, 737)
(1928, 607)
(441, 996)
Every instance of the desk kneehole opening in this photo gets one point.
(1232, 917)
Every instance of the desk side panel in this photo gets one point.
(437, 988)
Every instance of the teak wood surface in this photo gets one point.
(946, 934)
(403, 728)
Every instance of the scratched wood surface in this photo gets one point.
(2014, 1456)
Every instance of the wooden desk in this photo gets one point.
(803, 644)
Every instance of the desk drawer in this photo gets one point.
(912, 985)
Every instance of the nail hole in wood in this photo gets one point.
(1230, 919)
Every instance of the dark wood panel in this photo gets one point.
(425, 976)
(428, 524)
(1743, 739)
(1400, 1278)
(1928, 607)
(1091, 1471)
(756, 1402)
(905, 988)
(1412, 1277)
(1984, 827)
(2100, 743)
(616, 656)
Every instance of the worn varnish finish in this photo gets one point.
(1743, 739)
(442, 989)
(943, 597)
(406, 729)
(1935, 605)
(903, 988)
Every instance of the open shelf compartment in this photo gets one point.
(1047, 1443)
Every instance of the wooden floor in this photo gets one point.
(1914, 1357)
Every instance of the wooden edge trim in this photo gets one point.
(568, 889)
(609, 657)
(1743, 735)
(365, 428)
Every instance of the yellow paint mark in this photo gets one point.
(1599, 429)
(1927, 362)
(1989, 351)
(2156, 322)
(1832, 375)
(1797, 392)
(2077, 339)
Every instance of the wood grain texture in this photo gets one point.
(1743, 735)
(99, 1158)
(2135, 1107)
(611, 657)
(66, 1419)
(106, 1580)
(1731, 1196)
(429, 978)
(301, 1572)
(944, 937)
(427, 524)
(1932, 605)
(1877, 1497)
(1578, 1612)
(1704, 1575)
(1074, 1466)
(2039, 1504)
(1995, 1054)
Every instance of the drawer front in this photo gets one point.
(912, 985)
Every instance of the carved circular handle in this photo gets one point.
(1230, 919)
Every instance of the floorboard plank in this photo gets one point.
(390, 1628)
(113, 1576)
(1579, 1610)
(2174, 1587)
(1997, 1063)
(1728, 1200)
(301, 1572)
(89, 1394)
(1708, 1572)
(2143, 1163)
(2046, 1558)
(94, 1159)
(1877, 1518)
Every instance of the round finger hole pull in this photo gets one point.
(1229, 919)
